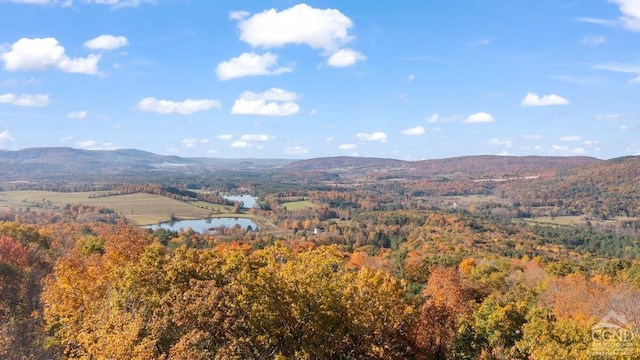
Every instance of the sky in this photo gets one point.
(409, 79)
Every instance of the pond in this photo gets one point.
(248, 200)
(202, 225)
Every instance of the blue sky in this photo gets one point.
(280, 79)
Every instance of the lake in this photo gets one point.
(201, 225)
(248, 200)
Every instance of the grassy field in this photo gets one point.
(298, 205)
(472, 199)
(557, 220)
(573, 220)
(140, 209)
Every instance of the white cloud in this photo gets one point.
(77, 114)
(376, 136)
(87, 144)
(250, 64)
(345, 57)
(533, 99)
(322, 29)
(240, 144)
(596, 21)
(225, 137)
(477, 118)
(273, 102)
(238, 15)
(500, 142)
(44, 53)
(593, 40)
(185, 107)
(5, 136)
(348, 147)
(411, 77)
(106, 42)
(66, 139)
(630, 13)
(255, 137)
(38, 100)
(622, 68)
(295, 150)
(301, 24)
(577, 151)
(414, 131)
(189, 143)
(433, 119)
(571, 138)
(436, 118)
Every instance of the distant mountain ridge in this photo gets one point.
(57, 161)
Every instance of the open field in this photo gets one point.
(298, 205)
(140, 209)
(573, 220)
(557, 220)
(472, 199)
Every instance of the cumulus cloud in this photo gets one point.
(106, 42)
(322, 29)
(533, 99)
(94, 145)
(295, 150)
(255, 137)
(38, 100)
(630, 13)
(345, 57)
(376, 136)
(224, 137)
(189, 143)
(414, 131)
(5, 136)
(301, 24)
(273, 102)
(570, 138)
(250, 64)
(436, 118)
(45, 53)
(77, 114)
(185, 107)
(478, 118)
(240, 144)
(348, 147)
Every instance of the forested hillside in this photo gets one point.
(348, 262)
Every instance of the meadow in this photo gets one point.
(138, 209)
